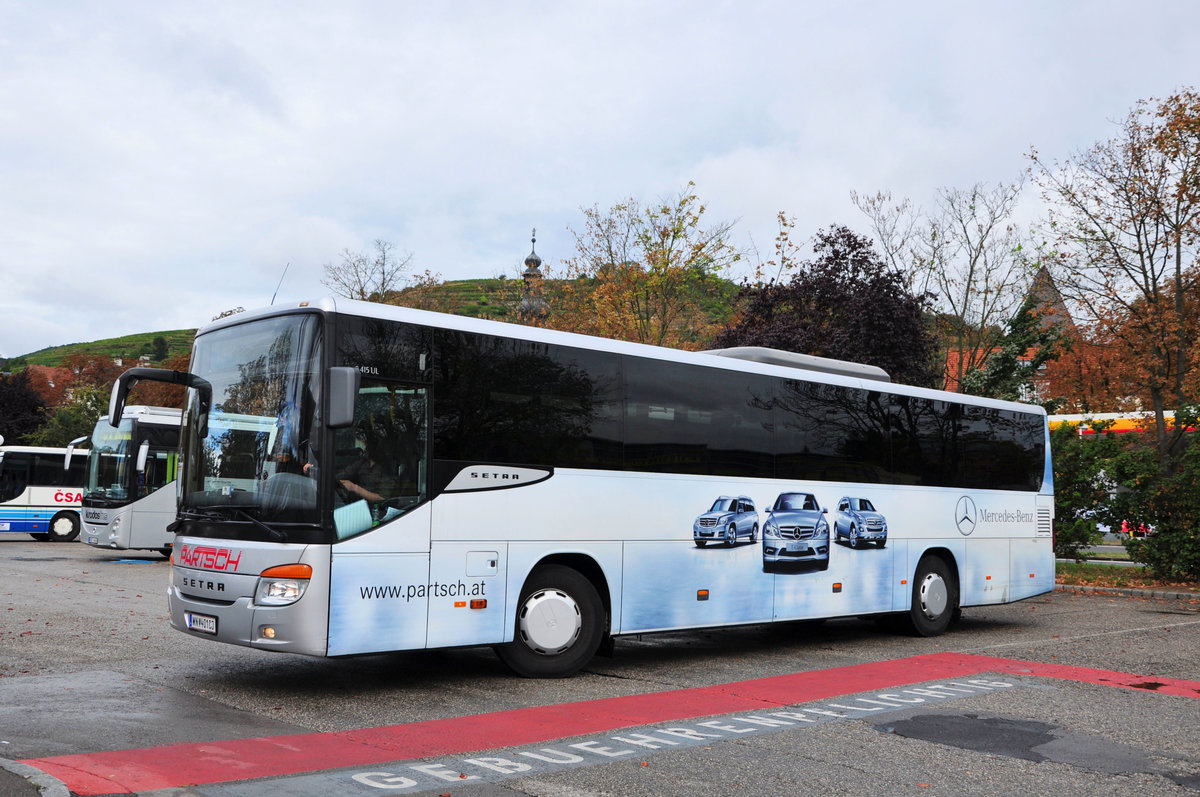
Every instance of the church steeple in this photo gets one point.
(532, 308)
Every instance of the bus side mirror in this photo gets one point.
(126, 381)
(343, 394)
(71, 450)
(116, 403)
(143, 451)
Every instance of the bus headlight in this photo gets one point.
(283, 585)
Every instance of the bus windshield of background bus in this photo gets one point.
(256, 460)
(109, 461)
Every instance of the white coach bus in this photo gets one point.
(360, 478)
(38, 496)
(129, 495)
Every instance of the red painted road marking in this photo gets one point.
(176, 765)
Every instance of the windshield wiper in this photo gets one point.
(191, 514)
(276, 534)
(220, 513)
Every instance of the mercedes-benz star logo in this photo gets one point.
(965, 515)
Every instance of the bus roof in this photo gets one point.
(809, 362)
(834, 370)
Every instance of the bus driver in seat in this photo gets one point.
(371, 476)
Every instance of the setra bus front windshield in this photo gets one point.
(262, 428)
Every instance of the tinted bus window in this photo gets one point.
(684, 419)
(48, 471)
(922, 436)
(525, 403)
(14, 474)
(385, 349)
(830, 432)
(1000, 449)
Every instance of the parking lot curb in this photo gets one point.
(1128, 592)
(36, 781)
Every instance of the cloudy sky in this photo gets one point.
(161, 162)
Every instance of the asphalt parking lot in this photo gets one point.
(1075, 693)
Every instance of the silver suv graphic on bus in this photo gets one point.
(726, 520)
(859, 522)
(796, 531)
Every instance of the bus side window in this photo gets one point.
(15, 475)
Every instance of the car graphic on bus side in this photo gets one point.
(859, 522)
(729, 518)
(796, 531)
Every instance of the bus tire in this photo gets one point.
(63, 527)
(559, 624)
(934, 598)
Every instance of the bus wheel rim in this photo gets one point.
(550, 621)
(934, 596)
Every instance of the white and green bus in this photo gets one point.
(360, 478)
(129, 494)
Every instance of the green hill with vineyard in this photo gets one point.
(495, 298)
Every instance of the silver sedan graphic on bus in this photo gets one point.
(796, 531)
(859, 522)
(726, 520)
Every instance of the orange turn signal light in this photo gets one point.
(288, 571)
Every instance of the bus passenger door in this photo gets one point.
(379, 579)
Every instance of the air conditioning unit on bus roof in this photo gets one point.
(762, 354)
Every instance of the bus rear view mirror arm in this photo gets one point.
(126, 381)
(70, 450)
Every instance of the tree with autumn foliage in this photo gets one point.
(644, 272)
(74, 417)
(84, 398)
(162, 394)
(847, 304)
(1125, 216)
(91, 370)
(1094, 375)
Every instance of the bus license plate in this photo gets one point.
(200, 622)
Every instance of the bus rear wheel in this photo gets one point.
(934, 599)
(63, 527)
(559, 625)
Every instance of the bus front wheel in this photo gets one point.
(63, 527)
(934, 599)
(559, 625)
